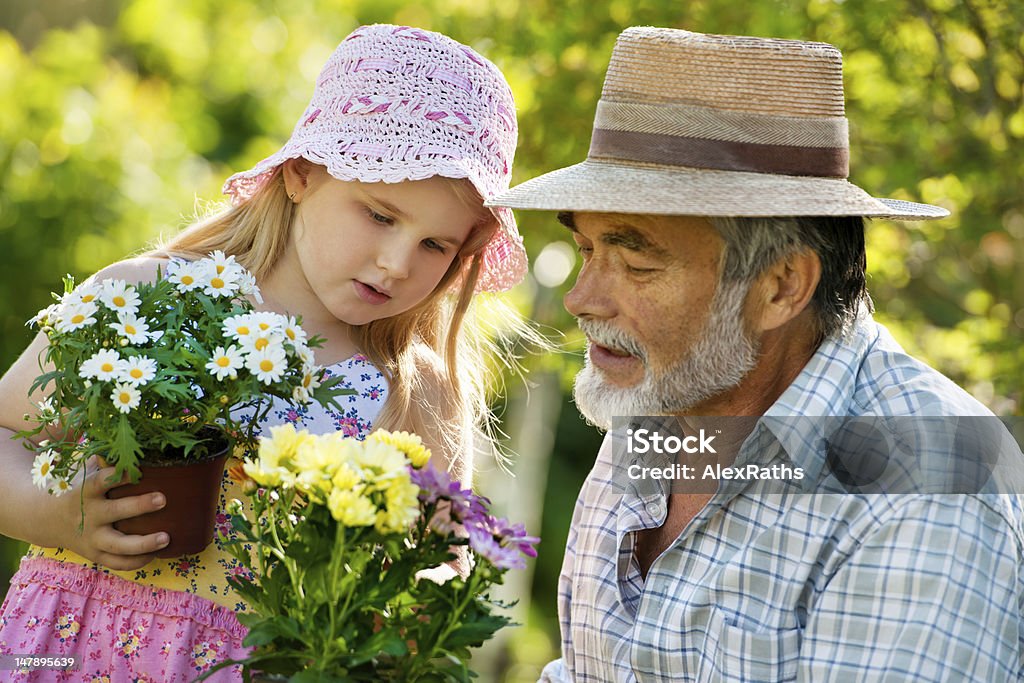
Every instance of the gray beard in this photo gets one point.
(721, 357)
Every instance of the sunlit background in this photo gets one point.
(119, 120)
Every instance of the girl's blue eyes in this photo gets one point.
(434, 246)
(381, 219)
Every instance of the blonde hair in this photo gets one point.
(257, 232)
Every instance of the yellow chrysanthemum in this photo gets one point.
(316, 461)
(401, 506)
(382, 458)
(410, 444)
(345, 477)
(282, 446)
(351, 509)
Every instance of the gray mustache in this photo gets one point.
(607, 335)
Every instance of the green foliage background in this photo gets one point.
(118, 118)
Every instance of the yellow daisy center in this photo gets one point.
(223, 361)
(187, 279)
(88, 297)
(77, 318)
(220, 269)
(266, 365)
(290, 332)
(107, 367)
(45, 468)
(307, 380)
(261, 343)
(264, 326)
(119, 301)
(242, 329)
(135, 373)
(216, 283)
(124, 397)
(129, 329)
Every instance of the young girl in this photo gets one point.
(369, 223)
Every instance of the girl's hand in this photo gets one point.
(98, 540)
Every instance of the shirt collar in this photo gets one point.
(824, 389)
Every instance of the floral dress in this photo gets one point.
(173, 619)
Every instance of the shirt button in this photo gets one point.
(654, 509)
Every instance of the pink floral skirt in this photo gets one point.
(119, 630)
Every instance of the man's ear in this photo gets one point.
(784, 290)
(296, 177)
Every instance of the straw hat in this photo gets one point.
(706, 125)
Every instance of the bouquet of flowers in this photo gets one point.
(141, 370)
(333, 551)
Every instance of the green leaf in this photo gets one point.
(124, 449)
(474, 633)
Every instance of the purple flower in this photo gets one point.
(485, 544)
(505, 545)
(436, 485)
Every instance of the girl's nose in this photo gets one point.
(395, 259)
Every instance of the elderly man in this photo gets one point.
(724, 275)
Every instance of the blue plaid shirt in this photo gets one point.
(802, 586)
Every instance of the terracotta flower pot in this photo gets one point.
(191, 488)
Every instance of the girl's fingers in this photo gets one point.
(102, 480)
(128, 548)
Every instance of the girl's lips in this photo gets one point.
(369, 294)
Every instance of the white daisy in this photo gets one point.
(125, 397)
(76, 316)
(225, 362)
(103, 365)
(42, 468)
(247, 286)
(186, 275)
(265, 322)
(48, 412)
(137, 370)
(238, 327)
(120, 296)
(310, 377)
(60, 487)
(305, 354)
(267, 365)
(221, 263)
(48, 316)
(296, 335)
(219, 283)
(84, 293)
(300, 395)
(262, 341)
(132, 328)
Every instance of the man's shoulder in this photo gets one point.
(890, 381)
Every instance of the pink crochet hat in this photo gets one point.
(395, 103)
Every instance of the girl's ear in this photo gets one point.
(296, 177)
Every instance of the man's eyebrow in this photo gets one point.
(628, 237)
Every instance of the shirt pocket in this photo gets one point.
(733, 653)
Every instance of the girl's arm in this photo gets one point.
(33, 515)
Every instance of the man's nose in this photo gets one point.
(590, 296)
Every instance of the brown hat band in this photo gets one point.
(703, 137)
(672, 150)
